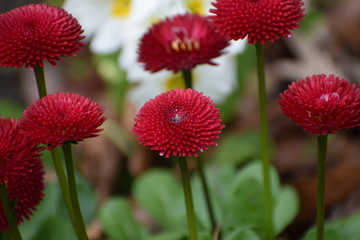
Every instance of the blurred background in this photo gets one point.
(105, 71)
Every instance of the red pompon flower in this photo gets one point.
(179, 123)
(259, 20)
(31, 34)
(60, 118)
(180, 43)
(322, 104)
(21, 171)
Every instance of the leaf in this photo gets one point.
(243, 234)
(236, 149)
(174, 235)
(286, 208)
(254, 170)
(246, 205)
(330, 233)
(54, 228)
(47, 209)
(118, 221)
(159, 194)
(10, 109)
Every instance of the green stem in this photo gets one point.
(188, 198)
(55, 154)
(320, 209)
(204, 183)
(187, 76)
(40, 80)
(80, 226)
(269, 235)
(9, 213)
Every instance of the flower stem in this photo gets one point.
(80, 226)
(40, 80)
(269, 235)
(9, 213)
(188, 198)
(320, 209)
(187, 76)
(55, 154)
(205, 188)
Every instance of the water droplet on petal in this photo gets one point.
(325, 97)
(161, 154)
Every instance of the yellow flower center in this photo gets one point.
(121, 8)
(196, 6)
(174, 82)
(187, 45)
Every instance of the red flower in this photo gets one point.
(322, 104)
(179, 122)
(21, 170)
(62, 117)
(260, 20)
(31, 34)
(180, 43)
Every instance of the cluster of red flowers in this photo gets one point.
(21, 171)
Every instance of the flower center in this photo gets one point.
(196, 6)
(121, 8)
(177, 116)
(182, 40)
(175, 81)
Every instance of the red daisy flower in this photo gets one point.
(322, 104)
(31, 34)
(180, 43)
(260, 20)
(62, 117)
(179, 122)
(21, 170)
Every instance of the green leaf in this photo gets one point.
(330, 233)
(254, 170)
(243, 234)
(159, 194)
(118, 221)
(246, 205)
(10, 109)
(236, 149)
(47, 209)
(54, 228)
(169, 235)
(286, 208)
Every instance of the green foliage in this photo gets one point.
(346, 228)
(237, 149)
(51, 221)
(237, 197)
(243, 234)
(118, 222)
(10, 109)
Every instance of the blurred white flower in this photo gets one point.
(108, 22)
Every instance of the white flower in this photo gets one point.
(108, 22)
